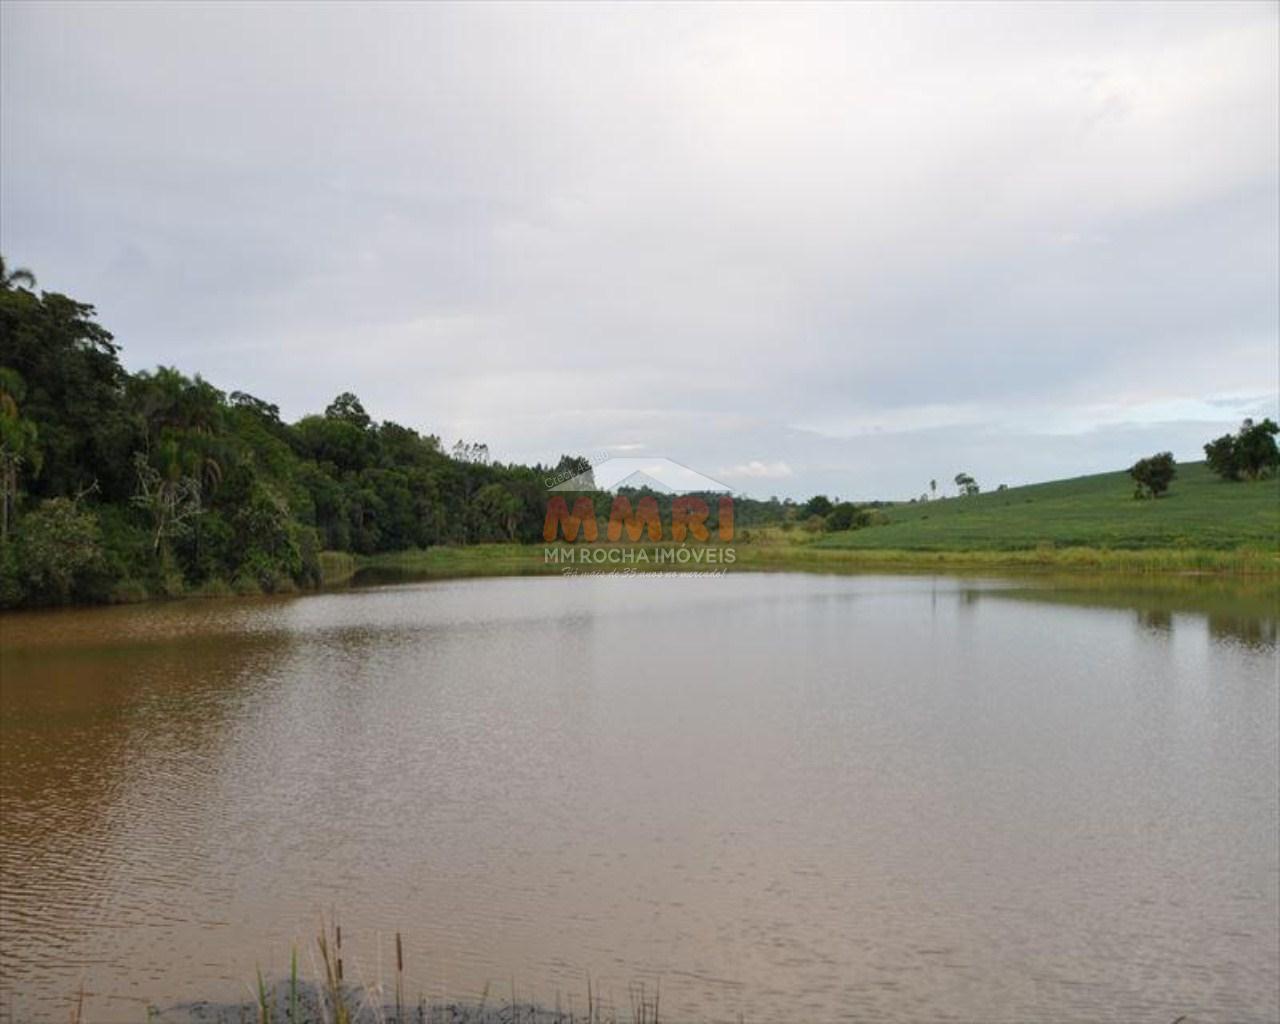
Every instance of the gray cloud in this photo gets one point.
(873, 244)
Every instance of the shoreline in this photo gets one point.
(752, 556)
(340, 569)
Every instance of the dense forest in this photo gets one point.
(119, 486)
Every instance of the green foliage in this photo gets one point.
(18, 448)
(126, 544)
(1220, 456)
(1250, 453)
(1256, 449)
(346, 408)
(572, 467)
(74, 393)
(12, 592)
(1153, 475)
(818, 505)
(814, 524)
(847, 516)
(497, 512)
(56, 556)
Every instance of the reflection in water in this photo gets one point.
(1157, 620)
(785, 796)
(1250, 630)
(1236, 611)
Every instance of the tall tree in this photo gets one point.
(347, 408)
(1251, 452)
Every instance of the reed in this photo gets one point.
(643, 1009)
(294, 1016)
(399, 980)
(264, 1003)
(333, 1000)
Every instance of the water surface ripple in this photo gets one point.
(787, 797)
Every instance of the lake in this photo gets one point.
(790, 797)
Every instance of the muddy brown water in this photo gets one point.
(788, 797)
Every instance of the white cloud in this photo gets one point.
(757, 470)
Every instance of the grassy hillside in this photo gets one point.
(1200, 511)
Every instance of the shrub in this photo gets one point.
(215, 587)
(1153, 475)
(58, 553)
(848, 516)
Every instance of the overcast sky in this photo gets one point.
(840, 248)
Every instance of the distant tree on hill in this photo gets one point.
(933, 488)
(1256, 448)
(576, 468)
(11, 279)
(266, 410)
(966, 484)
(1250, 452)
(1220, 455)
(1153, 475)
(347, 408)
(472, 452)
(819, 505)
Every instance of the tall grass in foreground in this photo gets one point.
(331, 999)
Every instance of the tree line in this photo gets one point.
(118, 485)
